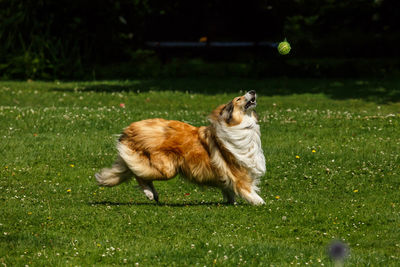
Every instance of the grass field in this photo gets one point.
(332, 149)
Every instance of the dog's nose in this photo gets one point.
(252, 92)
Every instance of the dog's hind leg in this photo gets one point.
(153, 189)
(115, 175)
(148, 189)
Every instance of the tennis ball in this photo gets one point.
(284, 48)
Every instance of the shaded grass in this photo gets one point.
(343, 184)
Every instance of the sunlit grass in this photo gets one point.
(332, 173)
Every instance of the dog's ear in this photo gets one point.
(226, 112)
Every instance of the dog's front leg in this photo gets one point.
(249, 194)
(229, 196)
(253, 198)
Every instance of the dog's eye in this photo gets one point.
(238, 99)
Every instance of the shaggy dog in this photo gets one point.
(226, 154)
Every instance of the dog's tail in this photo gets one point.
(115, 175)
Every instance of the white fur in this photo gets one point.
(149, 194)
(118, 173)
(244, 142)
(254, 198)
(134, 161)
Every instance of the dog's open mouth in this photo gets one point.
(252, 102)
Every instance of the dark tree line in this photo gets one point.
(59, 38)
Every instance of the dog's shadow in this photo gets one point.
(160, 204)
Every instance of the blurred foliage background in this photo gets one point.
(81, 39)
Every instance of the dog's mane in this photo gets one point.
(242, 141)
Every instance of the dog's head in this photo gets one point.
(236, 110)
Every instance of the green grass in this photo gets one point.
(344, 183)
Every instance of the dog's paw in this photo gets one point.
(255, 199)
(149, 194)
(259, 202)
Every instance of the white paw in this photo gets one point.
(255, 199)
(259, 201)
(149, 194)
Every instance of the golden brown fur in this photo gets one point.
(158, 149)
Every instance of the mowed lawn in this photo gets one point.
(332, 152)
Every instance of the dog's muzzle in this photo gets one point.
(251, 99)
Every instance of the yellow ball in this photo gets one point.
(284, 48)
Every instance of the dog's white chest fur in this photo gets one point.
(244, 142)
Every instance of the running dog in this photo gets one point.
(226, 154)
